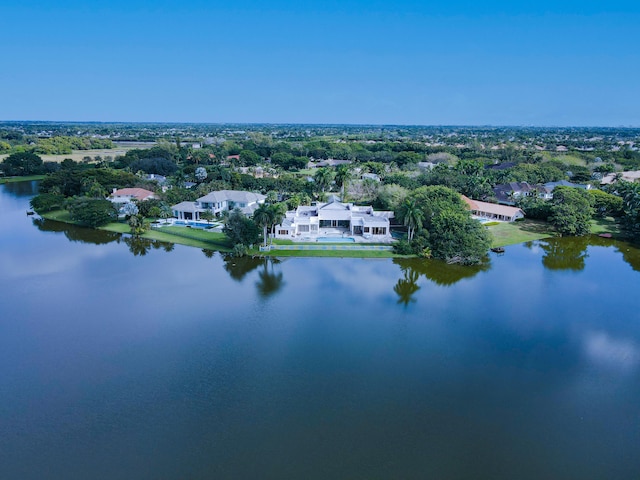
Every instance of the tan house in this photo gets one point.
(493, 211)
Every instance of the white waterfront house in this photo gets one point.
(335, 218)
(218, 202)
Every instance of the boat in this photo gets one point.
(30, 212)
(497, 249)
(605, 235)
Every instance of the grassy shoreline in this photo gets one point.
(27, 178)
(503, 234)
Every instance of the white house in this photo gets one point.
(333, 219)
(218, 202)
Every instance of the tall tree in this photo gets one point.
(411, 216)
(323, 178)
(571, 211)
(263, 217)
(343, 176)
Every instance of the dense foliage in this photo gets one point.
(571, 211)
(23, 163)
(91, 212)
(280, 160)
(241, 230)
(444, 227)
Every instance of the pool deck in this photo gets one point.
(336, 246)
(341, 237)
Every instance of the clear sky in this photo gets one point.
(450, 62)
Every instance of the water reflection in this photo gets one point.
(270, 282)
(406, 287)
(631, 255)
(239, 267)
(141, 246)
(22, 189)
(77, 234)
(565, 253)
(439, 272)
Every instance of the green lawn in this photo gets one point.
(27, 178)
(605, 225)
(518, 232)
(59, 216)
(190, 237)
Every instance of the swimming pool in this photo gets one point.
(203, 225)
(335, 239)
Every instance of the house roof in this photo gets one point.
(137, 193)
(236, 196)
(493, 208)
(187, 207)
(564, 183)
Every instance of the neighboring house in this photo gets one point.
(508, 193)
(546, 190)
(631, 176)
(500, 166)
(218, 202)
(370, 176)
(493, 211)
(327, 163)
(126, 195)
(426, 165)
(129, 195)
(335, 218)
(159, 179)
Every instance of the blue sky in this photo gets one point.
(349, 61)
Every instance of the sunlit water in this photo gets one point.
(138, 360)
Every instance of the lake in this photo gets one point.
(124, 359)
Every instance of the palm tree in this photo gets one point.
(277, 211)
(343, 175)
(323, 178)
(262, 216)
(411, 215)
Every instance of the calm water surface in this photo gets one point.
(137, 360)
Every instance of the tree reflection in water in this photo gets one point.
(407, 286)
(565, 253)
(76, 233)
(269, 282)
(239, 267)
(141, 246)
(437, 271)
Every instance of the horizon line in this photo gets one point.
(156, 122)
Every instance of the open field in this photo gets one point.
(518, 232)
(78, 155)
